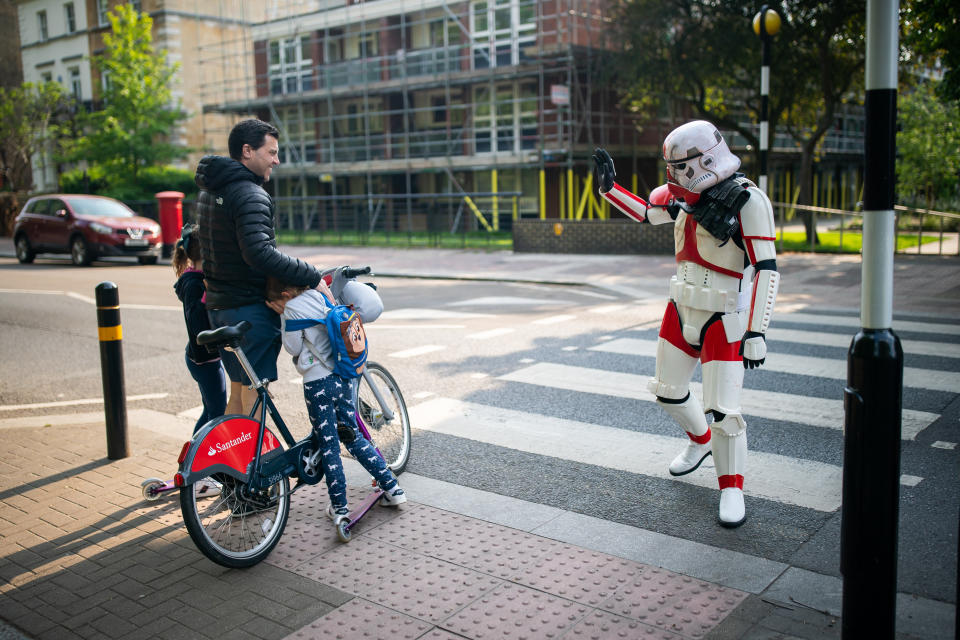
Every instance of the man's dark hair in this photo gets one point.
(251, 132)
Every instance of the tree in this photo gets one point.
(931, 31)
(928, 162)
(700, 58)
(30, 120)
(131, 131)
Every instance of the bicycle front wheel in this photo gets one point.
(236, 526)
(389, 424)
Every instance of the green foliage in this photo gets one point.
(32, 118)
(149, 182)
(485, 240)
(928, 145)
(131, 131)
(931, 31)
(830, 241)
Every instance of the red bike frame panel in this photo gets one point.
(232, 443)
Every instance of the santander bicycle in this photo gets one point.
(252, 463)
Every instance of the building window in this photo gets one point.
(42, 22)
(76, 87)
(46, 76)
(102, 10)
(505, 120)
(501, 31)
(106, 81)
(290, 65)
(439, 106)
(71, 15)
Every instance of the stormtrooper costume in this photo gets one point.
(721, 299)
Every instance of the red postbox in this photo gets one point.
(170, 205)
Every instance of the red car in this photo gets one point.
(86, 227)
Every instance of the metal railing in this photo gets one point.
(945, 243)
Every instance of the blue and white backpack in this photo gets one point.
(348, 339)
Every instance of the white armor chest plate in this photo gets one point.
(708, 275)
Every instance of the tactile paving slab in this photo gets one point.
(601, 625)
(362, 619)
(674, 602)
(432, 589)
(358, 566)
(587, 577)
(517, 613)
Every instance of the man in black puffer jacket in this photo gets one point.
(239, 249)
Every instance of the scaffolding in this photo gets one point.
(426, 114)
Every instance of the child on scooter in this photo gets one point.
(329, 397)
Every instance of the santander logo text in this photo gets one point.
(220, 447)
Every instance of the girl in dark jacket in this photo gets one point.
(204, 365)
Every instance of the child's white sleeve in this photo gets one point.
(292, 340)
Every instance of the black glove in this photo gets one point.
(605, 173)
(753, 348)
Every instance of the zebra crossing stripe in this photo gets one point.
(854, 322)
(914, 347)
(816, 412)
(793, 481)
(833, 368)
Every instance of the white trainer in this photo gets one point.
(206, 488)
(393, 497)
(732, 512)
(690, 458)
(338, 515)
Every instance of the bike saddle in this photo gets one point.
(224, 335)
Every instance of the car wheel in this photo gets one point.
(79, 252)
(147, 259)
(25, 253)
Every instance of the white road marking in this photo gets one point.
(93, 301)
(417, 351)
(503, 301)
(423, 394)
(553, 319)
(835, 369)
(816, 412)
(607, 308)
(429, 313)
(80, 401)
(803, 483)
(910, 481)
(940, 444)
(491, 333)
(916, 347)
(854, 322)
(414, 327)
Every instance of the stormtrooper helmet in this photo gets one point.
(697, 158)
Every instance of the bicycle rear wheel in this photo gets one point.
(239, 527)
(391, 436)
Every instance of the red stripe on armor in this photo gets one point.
(624, 208)
(760, 238)
(751, 254)
(716, 347)
(704, 439)
(690, 253)
(671, 331)
(731, 482)
(753, 301)
(631, 195)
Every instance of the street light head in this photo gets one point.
(771, 23)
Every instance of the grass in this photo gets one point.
(489, 241)
(852, 241)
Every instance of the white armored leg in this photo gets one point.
(689, 415)
(730, 457)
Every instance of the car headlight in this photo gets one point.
(101, 228)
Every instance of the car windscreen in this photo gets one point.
(98, 207)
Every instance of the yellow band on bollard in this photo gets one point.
(110, 333)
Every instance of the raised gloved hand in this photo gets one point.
(604, 171)
(753, 348)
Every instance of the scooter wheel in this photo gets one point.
(150, 488)
(343, 532)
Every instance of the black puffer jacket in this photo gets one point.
(237, 239)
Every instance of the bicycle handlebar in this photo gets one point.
(350, 272)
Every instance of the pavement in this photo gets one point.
(84, 556)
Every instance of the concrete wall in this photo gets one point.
(592, 237)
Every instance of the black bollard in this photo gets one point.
(111, 367)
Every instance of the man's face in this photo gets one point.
(262, 161)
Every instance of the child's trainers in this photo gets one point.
(337, 514)
(393, 497)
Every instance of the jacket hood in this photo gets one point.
(214, 172)
(181, 284)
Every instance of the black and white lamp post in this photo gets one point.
(766, 24)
